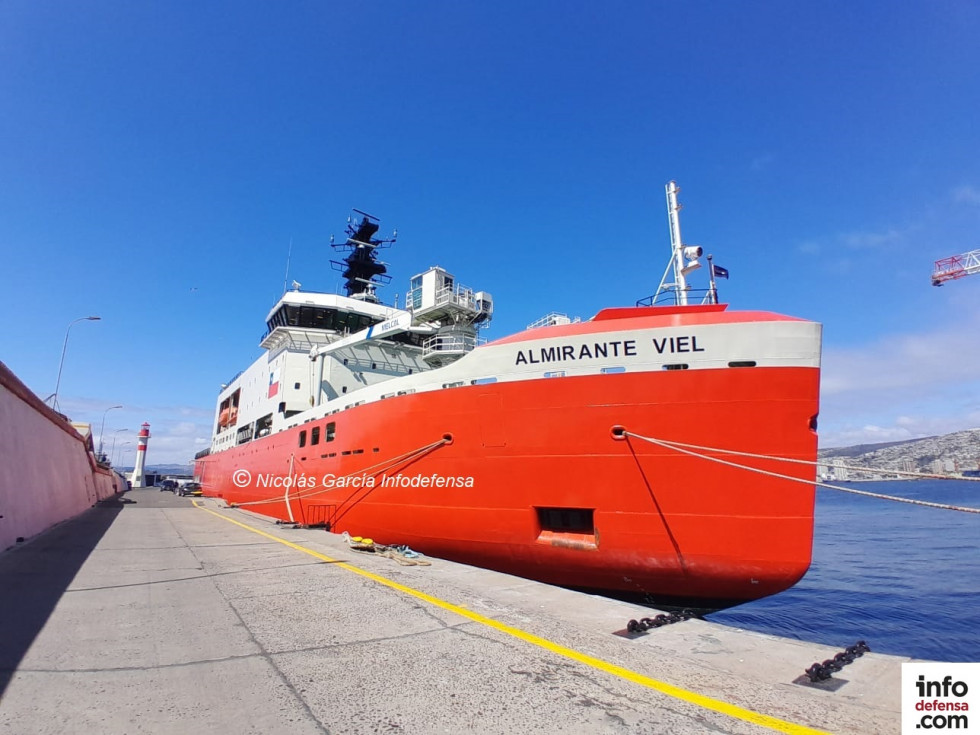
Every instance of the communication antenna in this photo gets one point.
(289, 255)
(683, 258)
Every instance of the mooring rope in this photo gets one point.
(854, 468)
(680, 447)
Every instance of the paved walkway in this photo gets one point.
(150, 615)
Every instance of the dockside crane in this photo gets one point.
(956, 266)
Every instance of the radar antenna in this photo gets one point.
(361, 268)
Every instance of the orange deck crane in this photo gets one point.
(956, 266)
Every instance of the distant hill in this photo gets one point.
(947, 453)
(171, 469)
(859, 449)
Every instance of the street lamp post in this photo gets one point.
(102, 430)
(122, 452)
(112, 452)
(64, 349)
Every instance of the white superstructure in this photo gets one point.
(322, 349)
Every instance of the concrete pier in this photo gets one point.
(151, 615)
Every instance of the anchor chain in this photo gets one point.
(644, 624)
(823, 671)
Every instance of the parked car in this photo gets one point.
(170, 485)
(189, 488)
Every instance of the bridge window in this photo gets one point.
(415, 293)
(302, 438)
(318, 317)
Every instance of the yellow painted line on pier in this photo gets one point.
(715, 705)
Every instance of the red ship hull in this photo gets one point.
(546, 489)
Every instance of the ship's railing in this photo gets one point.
(323, 515)
(552, 319)
(375, 362)
(450, 344)
(297, 338)
(458, 295)
(672, 297)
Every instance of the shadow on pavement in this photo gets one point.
(33, 578)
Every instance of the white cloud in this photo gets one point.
(866, 434)
(871, 240)
(177, 433)
(966, 195)
(185, 429)
(840, 266)
(761, 162)
(901, 387)
(838, 245)
(166, 447)
(904, 428)
(903, 362)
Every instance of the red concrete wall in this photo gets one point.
(47, 473)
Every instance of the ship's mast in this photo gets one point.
(676, 243)
(684, 258)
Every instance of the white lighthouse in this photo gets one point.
(139, 479)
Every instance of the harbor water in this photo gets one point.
(903, 578)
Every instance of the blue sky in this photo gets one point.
(157, 160)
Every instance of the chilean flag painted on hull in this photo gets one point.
(274, 383)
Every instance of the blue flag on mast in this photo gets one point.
(718, 271)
